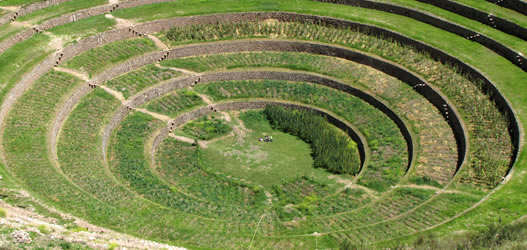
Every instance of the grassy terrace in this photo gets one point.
(425, 120)
(512, 41)
(496, 10)
(204, 207)
(175, 103)
(7, 30)
(98, 59)
(383, 137)
(487, 126)
(82, 136)
(84, 27)
(507, 77)
(20, 59)
(42, 15)
(135, 81)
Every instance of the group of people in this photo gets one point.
(266, 139)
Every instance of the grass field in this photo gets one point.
(266, 164)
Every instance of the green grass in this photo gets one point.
(421, 115)
(384, 19)
(18, 2)
(513, 42)
(383, 137)
(135, 81)
(509, 79)
(84, 27)
(207, 128)
(332, 149)
(496, 10)
(98, 59)
(266, 164)
(490, 140)
(20, 59)
(42, 15)
(175, 103)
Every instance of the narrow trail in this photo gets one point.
(184, 71)
(154, 114)
(182, 138)
(349, 184)
(10, 8)
(114, 93)
(76, 73)
(124, 23)
(119, 96)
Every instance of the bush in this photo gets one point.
(331, 149)
(206, 128)
(3, 213)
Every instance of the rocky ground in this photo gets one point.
(23, 227)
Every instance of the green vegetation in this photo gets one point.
(175, 103)
(421, 115)
(98, 59)
(20, 59)
(84, 27)
(386, 166)
(18, 2)
(490, 140)
(42, 15)
(331, 149)
(263, 163)
(493, 236)
(209, 206)
(133, 82)
(206, 128)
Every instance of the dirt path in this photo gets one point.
(349, 184)
(10, 8)
(184, 71)
(124, 23)
(114, 93)
(78, 74)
